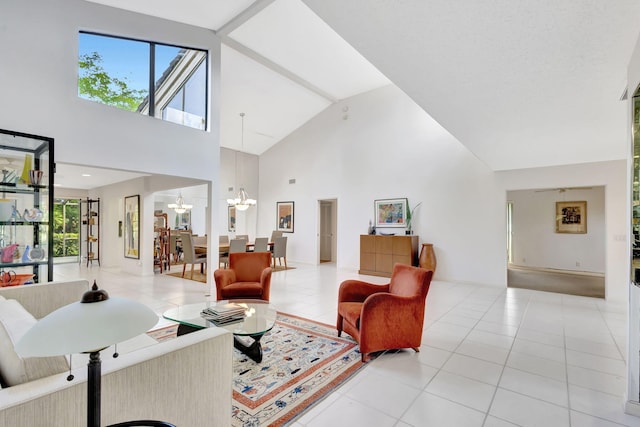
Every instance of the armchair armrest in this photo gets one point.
(223, 278)
(358, 291)
(265, 281)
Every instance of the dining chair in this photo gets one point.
(190, 256)
(175, 245)
(280, 251)
(261, 244)
(274, 234)
(223, 256)
(237, 245)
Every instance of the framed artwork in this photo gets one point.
(132, 227)
(391, 212)
(285, 215)
(232, 218)
(571, 217)
(183, 221)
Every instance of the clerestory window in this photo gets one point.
(163, 81)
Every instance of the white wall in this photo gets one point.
(238, 170)
(38, 82)
(535, 241)
(387, 148)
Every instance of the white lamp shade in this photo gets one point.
(242, 202)
(85, 327)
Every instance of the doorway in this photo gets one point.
(66, 230)
(327, 230)
(541, 255)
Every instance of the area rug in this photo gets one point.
(197, 276)
(303, 362)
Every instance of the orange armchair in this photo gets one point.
(248, 276)
(383, 317)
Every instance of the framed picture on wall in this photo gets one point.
(232, 218)
(132, 227)
(391, 212)
(183, 221)
(285, 215)
(571, 217)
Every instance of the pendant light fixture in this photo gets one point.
(179, 206)
(242, 202)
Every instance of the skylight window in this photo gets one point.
(167, 82)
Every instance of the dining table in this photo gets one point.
(224, 247)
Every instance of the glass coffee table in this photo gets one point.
(259, 318)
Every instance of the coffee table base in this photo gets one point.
(253, 350)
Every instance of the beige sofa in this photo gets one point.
(185, 381)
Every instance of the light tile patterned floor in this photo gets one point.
(490, 357)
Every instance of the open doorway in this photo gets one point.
(327, 234)
(546, 250)
(66, 230)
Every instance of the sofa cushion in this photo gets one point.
(15, 321)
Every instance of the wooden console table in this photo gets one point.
(378, 254)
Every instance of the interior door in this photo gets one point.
(327, 230)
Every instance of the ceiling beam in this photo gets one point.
(255, 8)
(277, 68)
(240, 19)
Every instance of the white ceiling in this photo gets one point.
(520, 83)
(86, 178)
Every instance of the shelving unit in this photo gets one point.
(91, 225)
(161, 242)
(26, 214)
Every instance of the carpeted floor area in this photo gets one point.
(564, 283)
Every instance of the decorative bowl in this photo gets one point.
(20, 279)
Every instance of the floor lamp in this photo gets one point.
(88, 326)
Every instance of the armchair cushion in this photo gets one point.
(15, 321)
(248, 276)
(382, 317)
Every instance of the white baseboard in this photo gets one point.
(632, 407)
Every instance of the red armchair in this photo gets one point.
(382, 317)
(248, 276)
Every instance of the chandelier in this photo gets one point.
(242, 202)
(179, 206)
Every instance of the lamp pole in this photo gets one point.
(94, 386)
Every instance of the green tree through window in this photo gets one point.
(96, 84)
(66, 228)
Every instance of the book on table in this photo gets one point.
(224, 313)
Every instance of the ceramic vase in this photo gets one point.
(427, 258)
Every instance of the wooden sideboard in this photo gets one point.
(378, 254)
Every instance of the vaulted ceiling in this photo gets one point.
(520, 83)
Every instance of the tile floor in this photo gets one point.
(490, 357)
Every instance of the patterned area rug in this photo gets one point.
(303, 361)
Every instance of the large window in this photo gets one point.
(167, 82)
(66, 228)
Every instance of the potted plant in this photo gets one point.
(410, 213)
